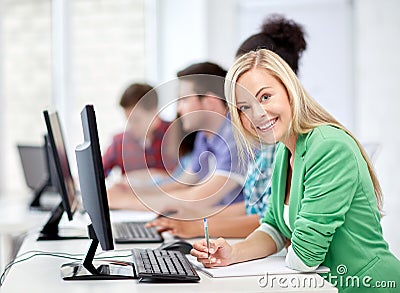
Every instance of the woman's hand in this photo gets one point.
(221, 252)
(185, 229)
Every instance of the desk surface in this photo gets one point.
(16, 217)
(42, 274)
(15, 220)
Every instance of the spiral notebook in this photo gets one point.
(274, 265)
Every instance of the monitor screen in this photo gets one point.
(65, 182)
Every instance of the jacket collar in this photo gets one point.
(301, 144)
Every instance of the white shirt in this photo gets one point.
(286, 216)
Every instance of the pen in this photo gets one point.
(207, 237)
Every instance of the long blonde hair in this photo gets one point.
(307, 113)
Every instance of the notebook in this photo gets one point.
(274, 265)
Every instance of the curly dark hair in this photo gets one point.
(283, 36)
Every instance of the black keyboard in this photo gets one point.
(135, 232)
(163, 264)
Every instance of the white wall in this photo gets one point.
(104, 52)
(181, 41)
(2, 103)
(26, 83)
(222, 27)
(328, 32)
(377, 31)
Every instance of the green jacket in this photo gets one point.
(333, 214)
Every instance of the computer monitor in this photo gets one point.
(34, 165)
(65, 183)
(94, 197)
(35, 161)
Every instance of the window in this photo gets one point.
(105, 52)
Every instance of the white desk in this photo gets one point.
(42, 274)
(15, 219)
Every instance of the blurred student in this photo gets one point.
(184, 142)
(325, 197)
(213, 176)
(139, 146)
(286, 38)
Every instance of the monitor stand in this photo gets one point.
(50, 230)
(35, 203)
(106, 270)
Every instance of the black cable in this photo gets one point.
(10, 264)
(55, 254)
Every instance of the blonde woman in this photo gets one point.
(286, 38)
(325, 199)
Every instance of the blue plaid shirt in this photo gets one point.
(257, 187)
